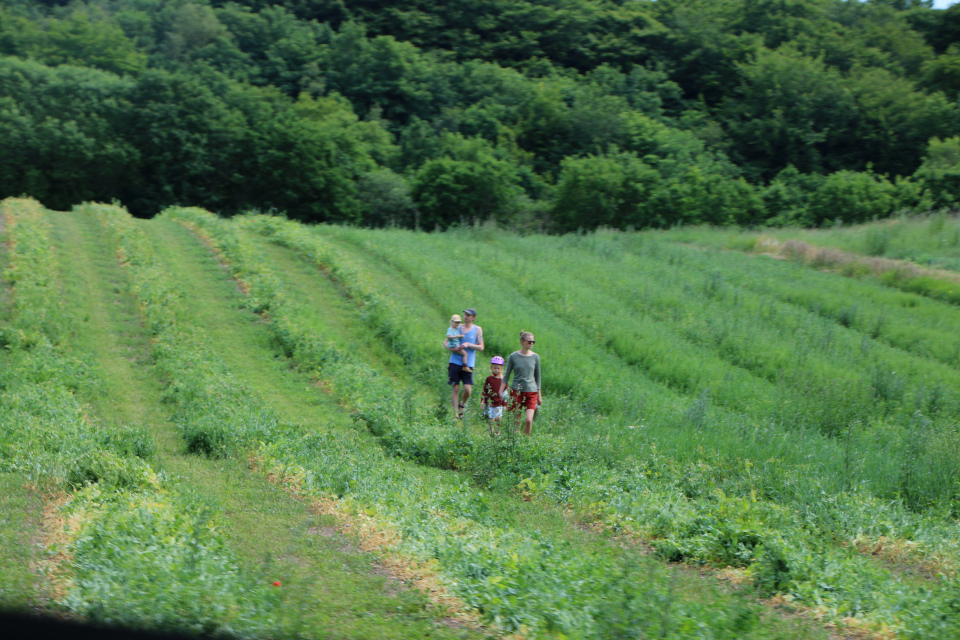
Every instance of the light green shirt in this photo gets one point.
(527, 370)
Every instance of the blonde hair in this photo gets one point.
(526, 335)
(456, 317)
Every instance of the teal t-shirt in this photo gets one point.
(454, 337)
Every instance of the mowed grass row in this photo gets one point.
(929, 240)
(685, 509)
(932, 275)
(326, 581)
(538, 581)
(20, 504)
(122, 545)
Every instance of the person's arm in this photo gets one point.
(507, 371)
(536, 376)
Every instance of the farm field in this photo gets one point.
(241, 427)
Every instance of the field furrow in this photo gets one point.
(910, 321)
(123, 545)
(20, 504)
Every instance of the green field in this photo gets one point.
(194, 409)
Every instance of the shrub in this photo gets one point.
(607, 190)
(940, 172)
(385, 200)
(852, 197)
(471, 183)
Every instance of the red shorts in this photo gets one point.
(523, 400)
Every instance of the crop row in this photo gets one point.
(686, 510)
(908, 321)
(855, 462)
(124, 547)
(709, 303)
(874, 398)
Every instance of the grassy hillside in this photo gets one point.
(275, 393)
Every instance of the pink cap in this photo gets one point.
(496, 360)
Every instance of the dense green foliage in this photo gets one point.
(543, 113)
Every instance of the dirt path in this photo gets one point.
(327, 582)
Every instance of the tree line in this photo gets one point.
(541, 114)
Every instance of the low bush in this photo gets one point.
(852, 197)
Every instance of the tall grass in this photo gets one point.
(810, 388)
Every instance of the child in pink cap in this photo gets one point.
(492, 400)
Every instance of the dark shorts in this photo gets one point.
(456, 375)
(523, 400)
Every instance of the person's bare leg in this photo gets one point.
(467, 390)
(528, 422)
(456, 399)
